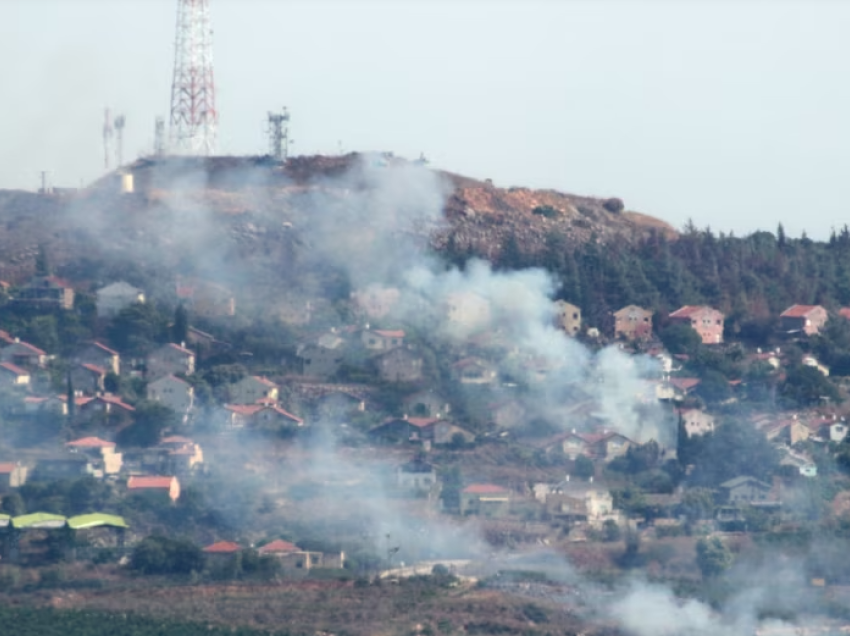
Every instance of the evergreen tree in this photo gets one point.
(180, 328)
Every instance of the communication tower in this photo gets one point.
(279, 135)
(194, 119)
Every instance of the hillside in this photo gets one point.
(251, 206)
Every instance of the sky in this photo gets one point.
(732, 113)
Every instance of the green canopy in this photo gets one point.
(96, 520)
(4, 520)
(39, 520)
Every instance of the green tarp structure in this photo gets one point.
(4, 521)
(96, 520)
(39, 520)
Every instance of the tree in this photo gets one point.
(679, 338)
(180, 328)
(13, 505)
(713, 387)
(584, 468)
(164, 555)
(806, 386)
(731, 451)
(611, 531)
(713, 557)
(697, 503)
(42, 263)
(150, 419)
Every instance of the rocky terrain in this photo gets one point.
(235, 207)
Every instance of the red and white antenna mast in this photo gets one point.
(194, 119)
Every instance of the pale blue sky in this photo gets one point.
(731, 112)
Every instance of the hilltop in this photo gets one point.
(257, 206)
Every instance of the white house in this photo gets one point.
(253, 388)
(115, 297)
(170, 391)
(170, 359)
(697, 422)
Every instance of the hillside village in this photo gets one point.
(129, 408)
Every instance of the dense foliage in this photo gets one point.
(49, 622)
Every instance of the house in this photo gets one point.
(443, 432)
(467, 310)
(171, 391)
(809, 360)
(323, 357)
(101, 453)
(207, 299)
(34, 405)
(696, 422)
(507, 413)
(681, 387)
(474, 370)
(375, 301)
(101, 356)
(605, 446)
(24, 355)
(400, 365)
(107, 409)
(577, 501)
(745, 489)
(805, 319)
(339, 404)
(416, 475)
(426, 403)
(381, 339)
(88, 378)
(180, 454)
(252, 389)
(487, 500)
(274, 415)
(222, 550)
(291, 556)
(164, 486)
(789, 431)
(47, 291)
(65, 466)
(110, 300)
(204, 342)
(12, 475)
(768, 357)
(401, 429)
(633, 323)
(804, 466)
(706, 321)
(170, 359)
(12, 375)
(567, 317)
(837, 431)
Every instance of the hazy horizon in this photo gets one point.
(728, 113)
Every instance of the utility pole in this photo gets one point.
(194, 119)
(107, 137)
(159, 137)
(119, 140)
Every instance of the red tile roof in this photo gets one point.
(223, 547)
(175, 439)
(690, 310)
(244, 409)
(32, 348)
(422, 422)
(284, 413)
(135, 483)
(90, 442)
(263, 380)
(180, 349)
(6, 337)
(7, 467)
(845, 312)
(485, 489)
(116, 400)
(799, 311)
(8, 366)
(94, 368)
(386, 333)
(104, 348)
(684, 384)
(278, 546)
